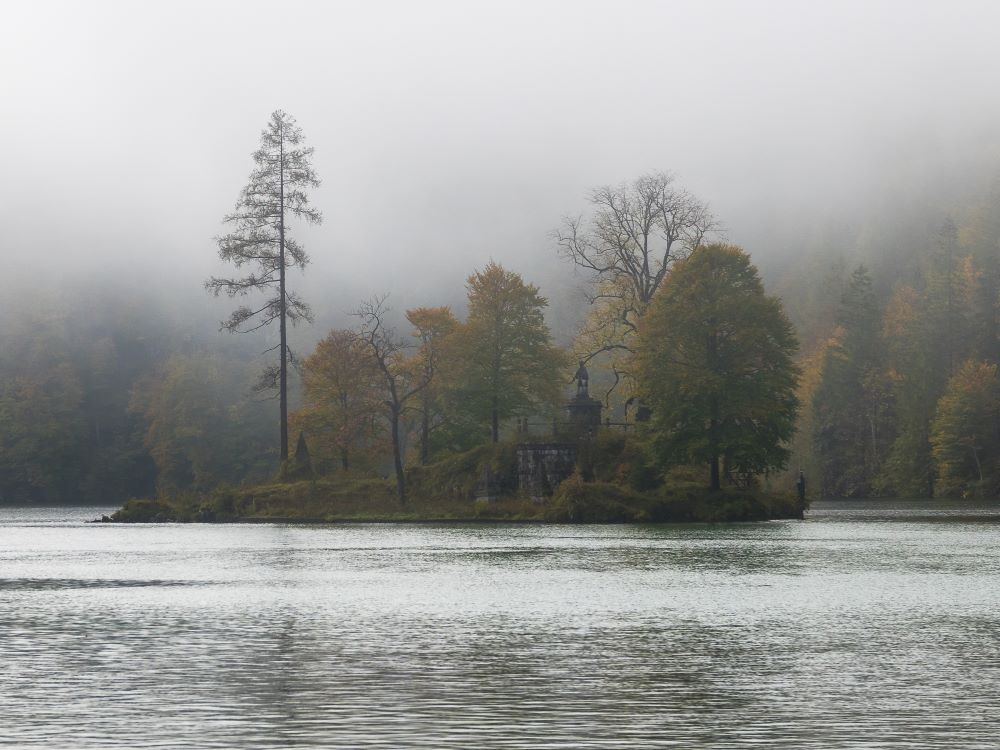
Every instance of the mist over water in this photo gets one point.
(448, 134)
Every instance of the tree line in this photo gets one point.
(451, 385)
(894, 393)
(715, 331)
(900, 386)
(104, 397)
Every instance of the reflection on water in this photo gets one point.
(865, 625)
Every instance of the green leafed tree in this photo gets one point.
(199, 431)
(715, 363)
(508, 365)
(965, 433)
(41, 430)
(260, 242)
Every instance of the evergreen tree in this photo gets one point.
(984, 233)
(260, 239)
(909, 467)
(926, 335)
(852, 421)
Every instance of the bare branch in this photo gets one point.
(635, 233)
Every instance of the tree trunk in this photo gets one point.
(979, 466)
(343, 459)
(397, 458)
(714, 463)
(283, 376)
(425, 432)
(495, 411)
(495, 421)
(713, 425)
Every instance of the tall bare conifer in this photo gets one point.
(260, 241)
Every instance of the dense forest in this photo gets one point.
(107, 394)
(899, 389)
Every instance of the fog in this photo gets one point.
(447, 134)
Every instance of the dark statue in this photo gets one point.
(582, 379)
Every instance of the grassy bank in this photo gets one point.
(320, 501)
(575, 501)
(614, 483)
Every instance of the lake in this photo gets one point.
(867, 624)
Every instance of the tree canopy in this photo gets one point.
(965, 432)
(507, 363)
(341, 398)
(716, 365)
(627, 246)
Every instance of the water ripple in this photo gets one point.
(55, 584)
(839, 632)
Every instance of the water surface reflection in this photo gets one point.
(859, 626)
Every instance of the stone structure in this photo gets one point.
(542, 466)
(583, 411)
(487, 489)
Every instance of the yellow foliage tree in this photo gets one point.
(341, 404)
(964, 433)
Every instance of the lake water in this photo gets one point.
(865, 625)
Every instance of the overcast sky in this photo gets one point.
(449, 133)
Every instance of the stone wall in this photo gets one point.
(542, 466)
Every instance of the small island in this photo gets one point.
(610, 482)
(469, 419)
(714, 406)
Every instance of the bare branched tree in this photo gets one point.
(627, 247)
(388, 350)
(259, 240)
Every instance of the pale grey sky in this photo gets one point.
(449, 133)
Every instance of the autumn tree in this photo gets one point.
(433, 328)
(965, 433)
(509, 366)
(715, 363)
(260, 241)
(636, 232)
(399, 383)
(342, 401)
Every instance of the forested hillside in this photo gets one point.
(899, 387)
(106, 394)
